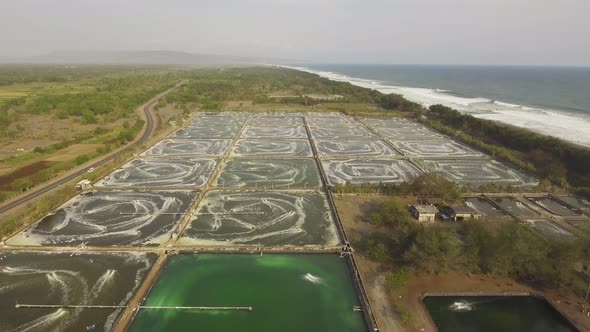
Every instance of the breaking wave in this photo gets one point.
(564, 125)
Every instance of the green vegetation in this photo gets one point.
(504, 248)
(91, 111)
(210, 88)
(425, 186)
(564, 164)
(398, 278)
(397, 102)
(91, 94)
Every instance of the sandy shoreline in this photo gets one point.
(556, 123)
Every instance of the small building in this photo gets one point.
(460, 212)
(424, 213)
(82, 185)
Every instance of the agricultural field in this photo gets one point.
(54, 118)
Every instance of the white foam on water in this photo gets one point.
(567, 126)
(313, 279)
(462, 305)
(107, 278)
(48, 319)
(242, 218)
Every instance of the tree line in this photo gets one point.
(563, 163)
(504, 248)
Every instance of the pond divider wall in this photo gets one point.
(347, 251)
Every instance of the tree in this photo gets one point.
(433, 250)
(398, 278)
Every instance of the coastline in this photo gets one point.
(560, 124)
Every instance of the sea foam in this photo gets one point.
(567, 126)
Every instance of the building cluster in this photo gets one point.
(429, 213)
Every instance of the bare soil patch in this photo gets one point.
(354, 210)
(168, 112)
(25, 171)
(73, 151)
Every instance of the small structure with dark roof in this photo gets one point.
(460, 212)
(424, 213)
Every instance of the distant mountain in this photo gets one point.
(140, 58)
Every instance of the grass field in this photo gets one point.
(9, 92)
(54, 118)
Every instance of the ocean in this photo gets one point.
(550, 100)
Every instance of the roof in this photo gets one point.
(425, 208)
(462, 209)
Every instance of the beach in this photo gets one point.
(572, 123)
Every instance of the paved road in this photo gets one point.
(42, 190)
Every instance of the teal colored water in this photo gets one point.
(559, 88)
(287, 292)
(549, 100)
(495, 314)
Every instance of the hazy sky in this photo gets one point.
(329, 31)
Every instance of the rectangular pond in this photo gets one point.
(553, 206)
(576, 202)
(174, 147)
(287, 293)
(282, 148)
(408, 133)
(332, 121)
(484, 207)
(161, 173)
(549, 228)
(478, 172)
(109, 218)
(271, 120)
(274, 132)
(515, 207)
(207, 132)
(435, 148)
(67, 279)
(270, 173)
(342, 133)
(390, 122)
(266, 218)
(354, 148)
(235, 119)
(358, 171)
(495, 314)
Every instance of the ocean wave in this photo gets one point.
(567, 126)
